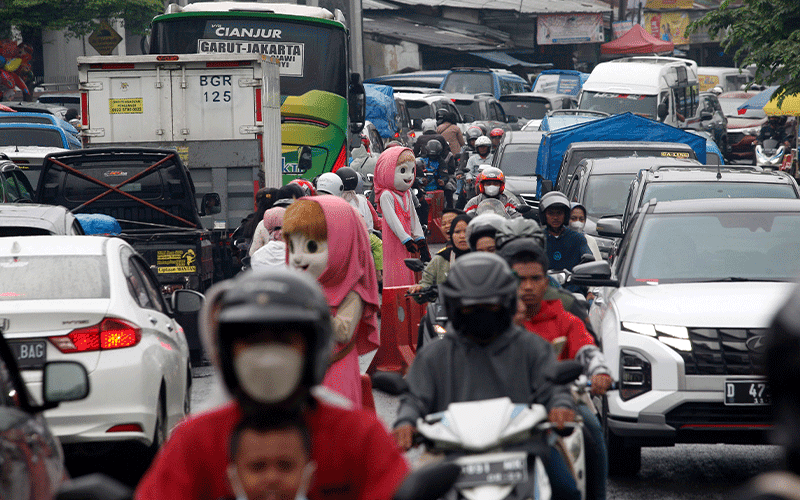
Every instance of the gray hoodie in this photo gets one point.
(456, 369)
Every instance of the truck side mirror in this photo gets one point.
(211, 204)
(357, 103)
(304, 157)
(547, 186)
(663, 110)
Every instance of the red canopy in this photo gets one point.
(636, 41)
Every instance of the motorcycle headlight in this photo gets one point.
(676, 337)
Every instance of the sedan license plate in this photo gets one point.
(747, 393)
(496, 468)
(30, 353)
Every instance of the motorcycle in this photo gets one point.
(770, 155)
(500, 446)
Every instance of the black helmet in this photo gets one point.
(473, 133)
(479, 278)
(349, 178)
(277, 297)
(442, 116)
(554, 199)
(287, 194)
(434, 148)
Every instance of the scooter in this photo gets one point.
(770, 155)
(500, 446)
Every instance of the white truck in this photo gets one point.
(221, 112)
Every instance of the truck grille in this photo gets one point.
(710, 414)
(722, 351)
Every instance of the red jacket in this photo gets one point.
(355, 456)
(553, 322)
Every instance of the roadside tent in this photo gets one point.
(624, 127)
(636, 41)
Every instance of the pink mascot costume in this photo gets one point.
(327, 238)
(394, 175)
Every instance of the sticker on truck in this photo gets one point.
(126, 106)
(176, 261)
(289, 54)
(675, 154)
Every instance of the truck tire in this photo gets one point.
(622, 460)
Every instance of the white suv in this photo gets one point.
(681, 316)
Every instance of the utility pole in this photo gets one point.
(621, 16)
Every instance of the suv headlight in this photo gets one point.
(635, 375)
(676, 337)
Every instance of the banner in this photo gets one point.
(668, 26)
(669, 4)
(559, 29)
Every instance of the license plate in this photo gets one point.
(747, 393)
(30, 353)
(496, 468)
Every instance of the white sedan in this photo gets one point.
(94, 300)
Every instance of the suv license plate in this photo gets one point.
(496, 468)
(29, 354)
(747, 393)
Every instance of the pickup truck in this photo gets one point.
(152, 196)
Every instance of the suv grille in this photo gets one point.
(722, 351)
(698, 414)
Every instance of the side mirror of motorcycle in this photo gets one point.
(429, 483)
(565, 372)
(415, 265)
(523, 209)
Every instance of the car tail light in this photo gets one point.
(126, 428)
(111, 333)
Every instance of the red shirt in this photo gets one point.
(552, 322)
(355, 456)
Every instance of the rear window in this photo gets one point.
(53, 277)
(148, 187)
(14, 118)
(527, 109)
(466, 107)
(519, 159)
(462, 82)
(664, 191)
(418, 109)
(582, 154)
(31, 137)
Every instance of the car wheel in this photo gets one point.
(622, 460)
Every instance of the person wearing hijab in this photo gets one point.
(394, 175)
(436, 270)
(326, 238)
(273, 252)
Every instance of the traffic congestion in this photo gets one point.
(231, 268)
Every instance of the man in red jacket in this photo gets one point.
(270, 336)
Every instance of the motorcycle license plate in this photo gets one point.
(494, 468)
(747, 393)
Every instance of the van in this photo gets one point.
(728, 79)
(659, 88)
(497, 82)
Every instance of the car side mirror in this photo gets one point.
(609, 227)
(596, 273)
(211, 204)
(304, 158)
(663, 110)
(185, 301)
(547, 186)
(64, 381)
(512, 119)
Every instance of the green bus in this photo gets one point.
(319, 95)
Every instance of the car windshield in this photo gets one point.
(668, 191)
(730, 108)
(53, 277)
(606, 194)
(615, 104)
(468, 82)
(519, 159)
(732, 246)
(528, 109)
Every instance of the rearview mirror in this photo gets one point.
(185, 301)
(357, 103)
(304, 158)
(415, 265)
(596, 273)
(663, 110)
(609, 227)
(64, 381)
(547, 186)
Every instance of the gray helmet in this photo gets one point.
(434, 148)
(349, 178)
(486, 224)
(479, 278)
(519, 228)
(554, 199)
(429, 125)
(473, 133)
(236, 308)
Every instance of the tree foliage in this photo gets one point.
(761, 32)
(79, 17)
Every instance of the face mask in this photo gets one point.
(308, 255)
(270, 372)
(491, 191)
(404, 176)
(577, 225)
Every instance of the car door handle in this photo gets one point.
(153, 320)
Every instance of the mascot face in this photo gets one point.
(308, 254)
(405, 171)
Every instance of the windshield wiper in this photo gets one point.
(738, 279)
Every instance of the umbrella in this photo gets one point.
(758, 101)
(790, 106)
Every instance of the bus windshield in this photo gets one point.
(615, 103)
(311, 59)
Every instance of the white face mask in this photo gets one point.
(308, 255)
(491, 191)
(270, 372)
(404, 176)
(577, 225)
(302, 491)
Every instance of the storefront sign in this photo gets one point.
(563, 29)
(669, 4)
(668, 26)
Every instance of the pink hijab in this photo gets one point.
(384, 181)
(273, 221)
(350, 266)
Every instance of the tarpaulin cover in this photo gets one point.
(624, 127)
(99, 224)
(381, 110)
(636, 41)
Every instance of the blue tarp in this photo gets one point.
(99, 224)
(624, 127)
(381, 110)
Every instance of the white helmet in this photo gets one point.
(330, 183)
(428, 124)
(483, 141)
